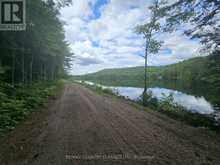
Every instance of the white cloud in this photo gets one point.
(79, 9)
(109, 41)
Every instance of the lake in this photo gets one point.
(192, 103)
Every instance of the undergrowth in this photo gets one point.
(166, 106)
(17, 102)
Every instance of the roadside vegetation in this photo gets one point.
(166, 106)
(16, 103)
(32, 62)
(96, 88)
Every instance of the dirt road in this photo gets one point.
(82, 127)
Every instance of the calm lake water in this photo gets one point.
(195, 104)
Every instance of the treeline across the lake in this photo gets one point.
(193, 76)
(32, 62)
(200, 69)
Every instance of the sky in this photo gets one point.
(101, 35)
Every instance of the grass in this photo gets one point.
(98, 89)
(16, 103)
(166, 107)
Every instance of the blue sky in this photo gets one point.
(101, 34)
(96, 8)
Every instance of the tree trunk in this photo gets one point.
(145, 76)
(41, 72)
(145, 68)
(52, 73)
(13, 70)
(23, 68)
(45, 73)
(31, 68)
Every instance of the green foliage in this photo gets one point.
(149, 30)
(98, 89)
(108, 91)
(154, 46)
(31, 61)
(166, 106)
(189, 71)
(202, 16)
(40, 52)
(192, 76)
(2, 71)
(148, 100)
(170, 108)
(116, 77)
(15, 106)
(167, 103)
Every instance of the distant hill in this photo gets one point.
(198, 76)
(196, 69)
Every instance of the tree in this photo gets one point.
(40, 52)
(57, 4)
(149, 30)
(202, 17)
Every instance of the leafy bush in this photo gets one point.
(148, 100)
(167, 103)
(167, 106)
(15, 107)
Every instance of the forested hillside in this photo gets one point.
(31, 62)
(200, 69)
(198, 76)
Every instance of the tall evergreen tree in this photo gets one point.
(40, 52)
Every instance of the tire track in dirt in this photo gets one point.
(110, 127)
(82, 123)
(180, 141)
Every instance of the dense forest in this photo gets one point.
(40, 52)
(200, 69)
(32, 62)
